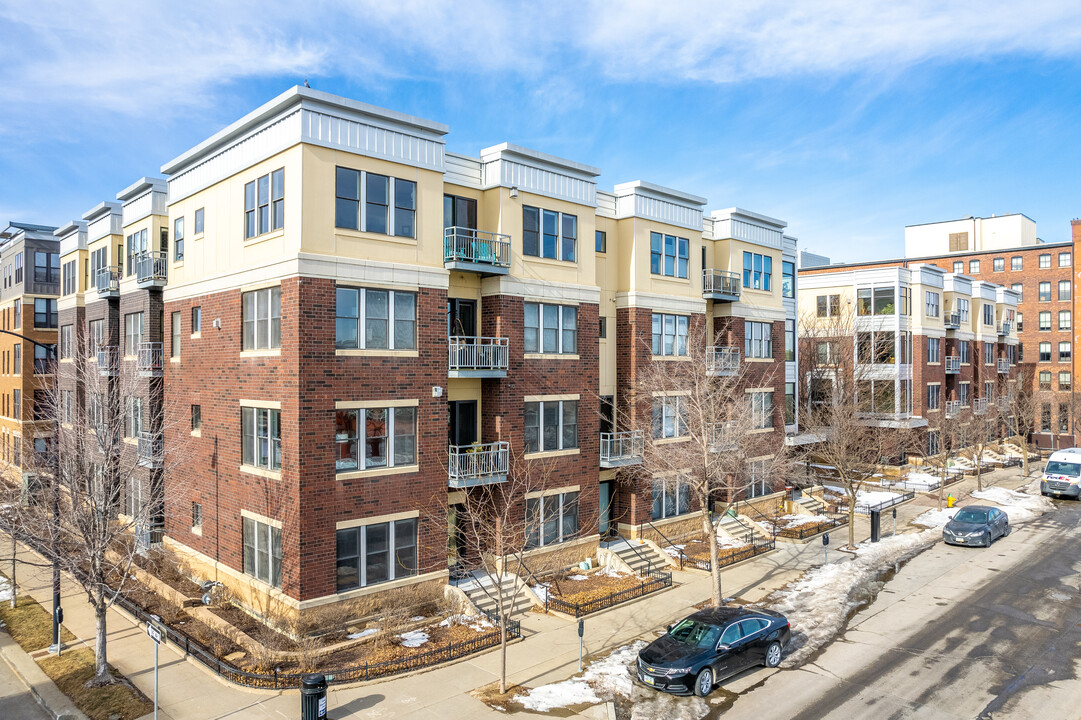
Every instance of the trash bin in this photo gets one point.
(950, 500)
(313, 697)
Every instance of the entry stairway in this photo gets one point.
(812, 504)
(638, 555)
(481, 589)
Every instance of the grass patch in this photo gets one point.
(31, 625)
(74, 668)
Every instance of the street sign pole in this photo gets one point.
(581, 632)
(157, 633)
(155, 681)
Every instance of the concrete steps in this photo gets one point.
(812, 504)
(735, 527)
(638, 556)
(482, 592)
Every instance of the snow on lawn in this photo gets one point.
(414, 638)
(577, 577)
(1018, 506)
(920, 481)
(362, 634)
(875, 497)
(541, 591)
(5, 590)
(674, 550)
(725, 542)
(818, 604)
(935, 518)
(790, 521)
(477, 622)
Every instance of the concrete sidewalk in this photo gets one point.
(548, 652)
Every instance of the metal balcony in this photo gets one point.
(151, 269)
(953, 364)
(953, 408)
(1002, 402)
(108, 282)
(1004, 328)
(151, 359)
(724, 437)
(622, 448)
(477, 357)
(477, 251)
(151, 450)
(479, 464)
(722, 361)
(720, 285)
(952, 321)
(979, 406)
(1003, 366)
(108, 361)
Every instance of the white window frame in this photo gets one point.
(562, 425)
(273, 422)
(934, 396)
(680, 329)
(761, 409)
(133, 336)
(934, 350)
(932, 303)
(758, 339)
(535, 520)
(362, 319)
(1044, 262)
(671, 415)
(670, 491)
(1065, 258)
(560, 318)
(263, 546)
(273, 300)
(962, 308)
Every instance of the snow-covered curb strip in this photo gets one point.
(1018, 506)
(601, 681)
(935, 518)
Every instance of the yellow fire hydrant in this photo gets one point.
(950, 500)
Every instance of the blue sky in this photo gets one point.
(847, 119)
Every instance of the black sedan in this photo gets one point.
(711, 645)
(976, 525)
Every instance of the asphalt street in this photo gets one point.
(958, 633)
(16, 702)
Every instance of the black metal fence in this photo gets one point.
(658, 580)
(755, 546)
(806, 530)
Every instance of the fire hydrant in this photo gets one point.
(950, 500)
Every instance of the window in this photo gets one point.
(934, 350)
(196, 320)
(1016, 262)
(906, 300)
(136, 246)
(790, 340)
(376, 553)
(375, 203)
(932, 396)
(963, 348)
(758, 339)
(1045, 352)
(958, 267)
(178, 238)
(1064, 351)
(44, 359)
(878, 300)
(828, 305)
(668, 255)
(174, 346)
(670, 498)
(602, 329)
(670, 334)
(932, 442)
(262, 551)
(44, 313)
(761, 410)
(1063, 289)
(551, 329)
(261, 437)
(375, 438)
(1045, 417)
(1045, 292)
(601, 241)
(551, 519)
(68, 286)
(988, 314)
(757, 271)
(958, 241)
(18, 268)
(988, 353)
(790, 403)
(788, 279)
(1020, 321)
(67, 406)
(1063, 417)
(133, 333)
(989, 389)
(1045, 320)
(998, 264)
(756, 479)
(1063, 320)
(1017, 288)
(67, 333)
(1064, 380)
(963, 393)
(669, 417)
(196, 517)
(264, 204)
(198, 230)
(962, 309)
(133, 418)
(376, 319)
(17, 403)
(1045, 261)
(46, 267)
(17, 359)
(196, 417)
(551, 425)
(96, 330)
(262, 319)
(973, 267)
(1064, 259)
(933, 306)
(549, 234)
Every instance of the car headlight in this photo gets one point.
(975, 533)
(679, 671)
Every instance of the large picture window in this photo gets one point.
(551, 519)
(262, 551)
(668, 255)
(376, 553)
(262, 319)
(551, 425)
(261, 438)
(549, 234)
(375, 437)
(670, 498)
(551, 328)
(376, 319)
(670, 334)
(375, 203)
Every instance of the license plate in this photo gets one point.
(648, 679)
(960, 540)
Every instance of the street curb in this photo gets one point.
(47, 694)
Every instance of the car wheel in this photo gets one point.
(773, 655)
(1008, 531)
(987, 539)
(703, 684)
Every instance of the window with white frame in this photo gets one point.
(761, 410)
(1045, 261)
(134, 327)
(1016, 262)
(1044, 292)
(998, 264)
(67, 346)
(933, 396)
(963, 393)
(757, 481)
(178, 238)
(757, 271)
(989, 389)
(1044, 380)
(376, 553)
(375, 319)
(262, 551)
(670, 334)
(551, 328)
(932, 303)
(199, 216)
(262, 311)
(133, 417)
(551, 425)
(668, 255)
(988, 353)
(1064, 259)
(371, 438)
(789, 340)
(1064, 380)
(962, 309)
(261, 437)
(196, 320)
(973, 267)
(1063, 289)
(932, 442)
(375, 203)
(1019, 289)
(1045, 352)
(1045, 320)
(264, 204)
(934, 350)
(963, 348)
(988, 314)
(174, 344)
(758, 339)
(1020, 321)
(671, 497)
(551, 519)
(958, 266)
(549, 234)
(828, 305)
(1064, 320)
(1064, 351)
(669, 416)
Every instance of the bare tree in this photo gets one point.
(852, 401)
(1019, 413)
(979, 427)
(946, 429)
(703, 430)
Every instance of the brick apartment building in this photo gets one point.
(342, 325)
(1004, 250)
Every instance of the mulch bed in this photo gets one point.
(696, 551)
(596, 584)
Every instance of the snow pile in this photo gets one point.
(541, 591)
(674, 550)
(577, 577)
(920, 481)
(414, 638)
(602, 680)
(875, 497)
(5, 590)
(480, 623)
(935, 518)
(725, 542)
(791, 521)
(1017, 505)
(817, 605)
(611, 572)
(362, 634)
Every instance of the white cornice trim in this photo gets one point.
(540, 290)
(663, 303)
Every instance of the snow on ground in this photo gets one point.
(541, 591)
(601, 681)
(935, 518)
(674, 550)
(362, 634)
(1018, 506)
(5, 590)
(577, 577)
(874, 497)
(477, 622)
(920, 481)
(818, 604)
(414, 638)
(725, 542)
(789, 521)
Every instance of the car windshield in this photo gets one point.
(695, 633)
(971, 516)
(1057, 467)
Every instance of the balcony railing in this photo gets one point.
(151, 359)
(151, 449)
(1002, 402)
(108, 281)
(720, 285)
(953, 408)
(108, 360)
(477, 357)
(476, 250)
(952, 320)
(479, 464)
(722, 361)
(622, 448)
(151, 269)
(1005, 327)
(979, 406)
(1003, 366)
(953, 364)
(724, 437)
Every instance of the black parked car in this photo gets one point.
(711, 645)
(976, 525)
